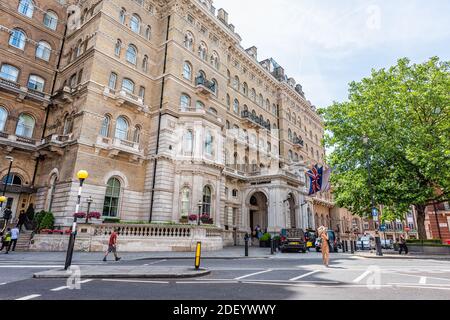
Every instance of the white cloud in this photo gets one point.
(325, 44)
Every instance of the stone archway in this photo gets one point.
(258, 211)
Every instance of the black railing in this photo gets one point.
(210, 85)
(255, 119)
(299, 141)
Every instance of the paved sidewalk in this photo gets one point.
(396, 255)
(226, 253)
(125, 272)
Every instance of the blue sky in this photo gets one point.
(325, 44)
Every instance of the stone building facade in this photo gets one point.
(160, 103)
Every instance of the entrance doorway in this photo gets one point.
(259, 215)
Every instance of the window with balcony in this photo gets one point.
(25, 126)
(9, 72)
(3, 118)
(121, 129)
(128, 85)
(43, 50)
(26, 8)
(135, 23)
(17, 39)
(131, 55)
(51, 20)
(36, 83)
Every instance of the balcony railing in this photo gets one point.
(205, 86)
(255, 119)
(298, 142)
(8, 83)
(23, 91)
(119, 145)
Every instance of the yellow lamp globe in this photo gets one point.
(3, 199)
(82, 174)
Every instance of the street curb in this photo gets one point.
(404, 257)
(63, 275)
(203, 258)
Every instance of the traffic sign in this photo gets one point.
(383, 227)
(374, 212)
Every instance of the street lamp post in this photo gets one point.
(200, 205)
(3, 198)
(89, 201)
(82, 175)
(374, 209)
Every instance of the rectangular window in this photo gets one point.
(112, 81)
(142, 93)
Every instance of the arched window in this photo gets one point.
(215, 60)
(122, 16)
(104, 132)
(274, 109)
(112, 198)
(25, 126)
(290, 155)
(260, 100)
(235, 193)
(215, 86)
(185, 102)
(209, 140)
(9, 72)
(290, 135)
(51, 20)
(267, 104)
(137, 134)
(17, 39)
(294, 118)
(199, 105)
(26, 8)
(189, 142)
(12, 179)
(43, 51)
(187, 71)
(118, 47)
(131, 55)
(228, 102)
(236, 83)
(128, 85)
(3, 118)
(236, 106)
(212, 111)
(185, 201)
(112, 80)
(145, 63)
(245, 88)
(203, 51)
(189, 41)
(148, 32)
(68, 124)
(207, 199)
(253, 94)
(36, 83)
(121, 129)
(135, 23)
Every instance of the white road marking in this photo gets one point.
(159, 261)
(3, 283)
(361, 277)
(135, 281)
(304, 275)
(423, 280)
(25, 266)
(412, 275)
(66, 287)
(208, 282)
(253, 274)
(31, 296)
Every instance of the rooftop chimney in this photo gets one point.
(222, 15)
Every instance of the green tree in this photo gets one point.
(404, 113)
(47, 221)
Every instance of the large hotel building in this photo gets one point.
(161, 104)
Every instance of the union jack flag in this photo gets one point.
(315, 179)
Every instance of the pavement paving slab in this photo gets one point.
(124, 272)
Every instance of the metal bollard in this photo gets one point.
(345, 246)
(271, 246)
(352, 248)
(246, 245)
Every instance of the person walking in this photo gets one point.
(403, 246)
(22, 220)
(112, 246)
(6, 240)
(325, 248)
(14, 237)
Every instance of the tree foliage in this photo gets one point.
(404, 113)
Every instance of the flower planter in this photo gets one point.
(95, 221)
(264, 244)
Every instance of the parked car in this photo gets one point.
(310, 238)
(387, 244)
(332, 241)
(365, 243)
(293, 240)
